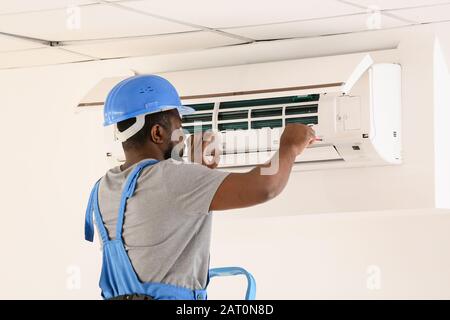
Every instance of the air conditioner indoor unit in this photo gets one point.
(353, 104)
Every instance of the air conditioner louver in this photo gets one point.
(201, 120)
(272, 112)
(253, 126)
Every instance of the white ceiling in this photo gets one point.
(17, 6)
(97, 21)
(43, 56)
(427, 14)
(226, 13)
(12, 44)
(153, 45)
(125, 28)
(396, 4)
(311, 28)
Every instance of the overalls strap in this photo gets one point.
(127, 192)
(93, 208)
(234, 271)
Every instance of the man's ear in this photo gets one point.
(158, 134)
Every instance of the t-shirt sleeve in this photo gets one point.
(191, 186)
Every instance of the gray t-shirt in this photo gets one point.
(167, 226)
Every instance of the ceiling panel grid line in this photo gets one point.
(192, 25)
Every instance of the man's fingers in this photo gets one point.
(205, 148)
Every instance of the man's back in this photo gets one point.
(167, 226)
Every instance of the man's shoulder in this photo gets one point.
(175, 166)
(168, 165)
(173, 162)
(179, 163)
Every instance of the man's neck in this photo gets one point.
(133, 157)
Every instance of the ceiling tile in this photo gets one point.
(232, 13)
(311, 28)
(394, 4)
(15, 6)
(97, 21)
(153, 45)
(37, 57)
(11, 44)
(425, 14)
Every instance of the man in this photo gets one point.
(166, 229)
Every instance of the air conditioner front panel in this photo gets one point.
(327, 72)
(293, 77)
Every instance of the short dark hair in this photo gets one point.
(141, 137)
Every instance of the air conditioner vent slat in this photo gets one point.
(303, 120)
(283, 105)
(274, 123)
(269, 101)
(268, 118)
(195, 128)
(233, 121)
(231, 115)
(197, 117)
(201, 106)
(311, 108)
(233, 126)
(262, 113)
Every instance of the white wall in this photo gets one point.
(441, 116)
(51, 156)
(329, 256)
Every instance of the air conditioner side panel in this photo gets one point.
(385, 84)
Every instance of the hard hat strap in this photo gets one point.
(131, 131)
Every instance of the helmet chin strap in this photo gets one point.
(138, 125)
(131, 131)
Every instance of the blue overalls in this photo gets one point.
(118, 277)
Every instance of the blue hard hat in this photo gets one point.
(139, 95)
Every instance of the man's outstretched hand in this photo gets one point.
(204, 148)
